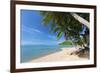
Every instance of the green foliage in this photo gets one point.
(56, 29)
(85, 16)
(79, 42)
(48, 18)
(66, 43)
(59, 35)
(63, 23)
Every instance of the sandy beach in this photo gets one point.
(63, 55)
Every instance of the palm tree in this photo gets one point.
(68, 24)
(80, 19)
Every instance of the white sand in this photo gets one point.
(63, 55)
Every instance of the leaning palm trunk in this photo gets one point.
(81, 20)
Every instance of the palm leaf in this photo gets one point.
(56, 30)
(59, 35)
(47, 18)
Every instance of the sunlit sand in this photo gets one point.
(63, 55)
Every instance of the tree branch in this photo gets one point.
(81, 20)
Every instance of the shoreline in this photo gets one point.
(63, 55)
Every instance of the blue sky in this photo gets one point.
(34, 32)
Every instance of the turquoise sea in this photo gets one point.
(29, 52)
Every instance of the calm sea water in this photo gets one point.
(29, 52)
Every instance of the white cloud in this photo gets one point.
(37, 30)
(30, 30)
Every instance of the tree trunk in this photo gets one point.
(81, 20)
